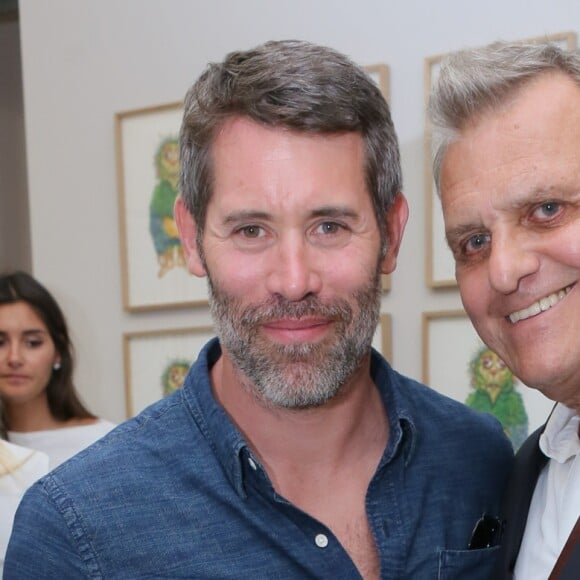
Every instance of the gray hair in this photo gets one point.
(475, 81)
(295, 85)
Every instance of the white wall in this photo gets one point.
(84, 61)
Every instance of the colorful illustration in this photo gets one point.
(161, 223)
(174, 375)
(495, 393)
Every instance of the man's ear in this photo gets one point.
(188, 234)
(396, 220)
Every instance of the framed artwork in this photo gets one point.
(380, 74)
(156, 363)
(458, 364)
(382, 340)
(439, 265)
(154, 274)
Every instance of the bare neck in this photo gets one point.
(352, 428)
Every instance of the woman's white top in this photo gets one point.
(20, 467)
(61, 444)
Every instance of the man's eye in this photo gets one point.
(475, 243)
(251, 231)
(547, 210)
(329, 227)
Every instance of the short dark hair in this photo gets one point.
(296, 85)
(63, 400)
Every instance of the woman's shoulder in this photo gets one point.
(24, 463)
(64, 442)
(91, 428)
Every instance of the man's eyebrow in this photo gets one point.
(334, 211)
(459, 232)
(325, 211)
(540, 194)
(245, 215)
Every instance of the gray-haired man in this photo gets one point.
(507, 165)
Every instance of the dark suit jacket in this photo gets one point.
(528, 464)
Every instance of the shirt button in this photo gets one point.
(321, 540)
(252, 463)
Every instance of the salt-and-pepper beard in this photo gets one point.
(300, 375)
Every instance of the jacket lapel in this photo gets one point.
(528, 464)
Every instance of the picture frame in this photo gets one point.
(380, 75)
(153, 270)
(154, 361)
(450, 346)
(439, 262)
(383, 339)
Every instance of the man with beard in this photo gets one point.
(293, 449)
(507, 167)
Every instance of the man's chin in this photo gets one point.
(293, 352)
(296, 399)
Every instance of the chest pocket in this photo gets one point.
(472, 564)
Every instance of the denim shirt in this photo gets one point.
(177, 493)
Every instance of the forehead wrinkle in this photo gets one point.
(507, 195)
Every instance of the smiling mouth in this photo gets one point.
(297, 324)
(540, 306)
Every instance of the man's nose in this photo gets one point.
(512, 258)
(294, 272)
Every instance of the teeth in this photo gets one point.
(539, 306)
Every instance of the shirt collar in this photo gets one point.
(214, 423)
(229, 445)
(560, 440)
(402, 425)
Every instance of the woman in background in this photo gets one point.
(41, 409)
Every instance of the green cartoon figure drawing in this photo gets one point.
(174, 375)
(161, 223)
(495, 393)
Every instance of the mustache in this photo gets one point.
(280, 307)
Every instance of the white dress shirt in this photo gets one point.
(555, 504)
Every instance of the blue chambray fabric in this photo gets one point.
(177, 493)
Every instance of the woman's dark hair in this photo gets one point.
(63, 401)
(3, 433)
